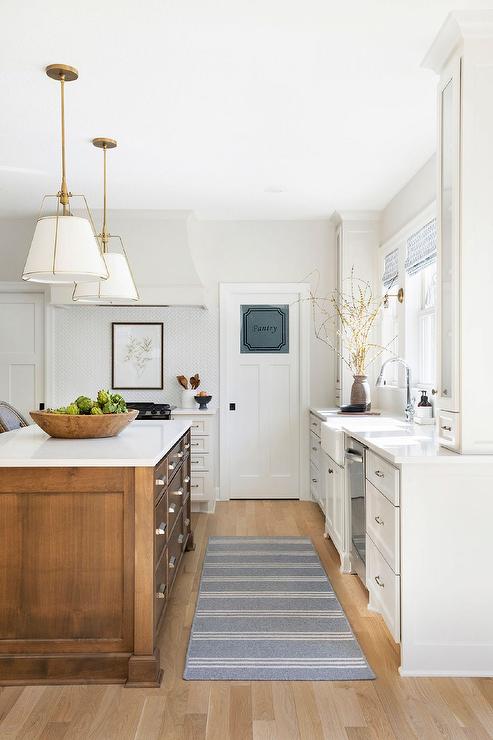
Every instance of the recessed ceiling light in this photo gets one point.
(275, 189)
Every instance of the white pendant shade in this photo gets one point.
(64, 249)
(120, 285)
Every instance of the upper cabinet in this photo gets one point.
(462, 55)
(357, 239)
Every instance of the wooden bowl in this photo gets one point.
(66, 426)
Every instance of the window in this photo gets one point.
(409, 261)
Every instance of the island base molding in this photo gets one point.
(88, 561)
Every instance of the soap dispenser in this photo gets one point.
(424, 409)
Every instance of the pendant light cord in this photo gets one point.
(104, 236)
(64, 197)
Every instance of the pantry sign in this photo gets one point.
(264, 329)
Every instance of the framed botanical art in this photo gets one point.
(137, 356)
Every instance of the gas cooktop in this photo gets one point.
(151, 410)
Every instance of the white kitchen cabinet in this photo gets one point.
(462, 55)
(335, 508)
(357, 241)
(317, 463)
(202, 456)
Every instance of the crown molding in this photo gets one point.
(457, 27)
(339, 217)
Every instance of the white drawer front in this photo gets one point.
(448, 429)
(315, 449)
(315, 423)
(384, 588)
(382, 524)
(199, 462)
(199, 444)
(383, 475)
(201, 485)
(200, 426)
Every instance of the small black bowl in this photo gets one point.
(203, 401)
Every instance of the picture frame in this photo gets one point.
(137, 355)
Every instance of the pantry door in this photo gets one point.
(265, 335)
(22, 350)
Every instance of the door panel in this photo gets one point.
(263, 432)
(22, 350)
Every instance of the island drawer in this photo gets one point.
(160, 588)
(174, 552)
(383, 475)
(161, 525)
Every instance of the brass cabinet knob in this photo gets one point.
(172, 561)
(160, 482)
(161, 529)
(180, 539)
(172, 509)
(161, 592)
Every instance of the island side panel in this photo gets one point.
(144, 665)
(66, 574)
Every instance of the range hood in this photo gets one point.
(158, 245)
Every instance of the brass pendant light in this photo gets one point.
(120, 285)
(64, 248)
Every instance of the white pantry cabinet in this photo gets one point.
(202, 458)
(462, 55)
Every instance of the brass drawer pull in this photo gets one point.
(379, 582)
(195, 444)
(180, 454)
(187, 446)
(379, 474)
(187, 522)
(195, 485)
(180, 538)
(172, 561)
(161, 529)
(187, 479)
(447, 428)
(172, 466)
(196, 462)
(379, 521)
(160, 482)
(161, 592)
(172, 509)
(179, 492)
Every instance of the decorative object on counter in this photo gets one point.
(424, 409)
(345, 322)
(137, 356)
(120, 285)
(187, 394)
(203, 399)
(85, 418)
(64, 248)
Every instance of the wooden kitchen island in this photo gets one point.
(92, 534)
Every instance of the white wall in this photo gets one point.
(224, 251)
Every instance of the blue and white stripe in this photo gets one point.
(267, 611)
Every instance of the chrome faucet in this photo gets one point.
(409, 411)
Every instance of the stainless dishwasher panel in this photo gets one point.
(355, 466)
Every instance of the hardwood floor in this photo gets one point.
(389, 707)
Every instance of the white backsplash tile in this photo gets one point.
(82, 349)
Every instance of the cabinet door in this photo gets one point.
(329, 497)
(448, 238)
(338, 516)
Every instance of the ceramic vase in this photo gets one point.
(187, 399)
(360, 391)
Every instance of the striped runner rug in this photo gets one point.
(266, 611)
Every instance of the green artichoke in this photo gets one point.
(103, 397)
(110, 408)
(73, 409)
(84, 404)
(95, 411)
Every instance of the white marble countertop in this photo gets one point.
(393, 438)
(187, 412)
(141, 444)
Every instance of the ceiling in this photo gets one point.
(244, 109)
